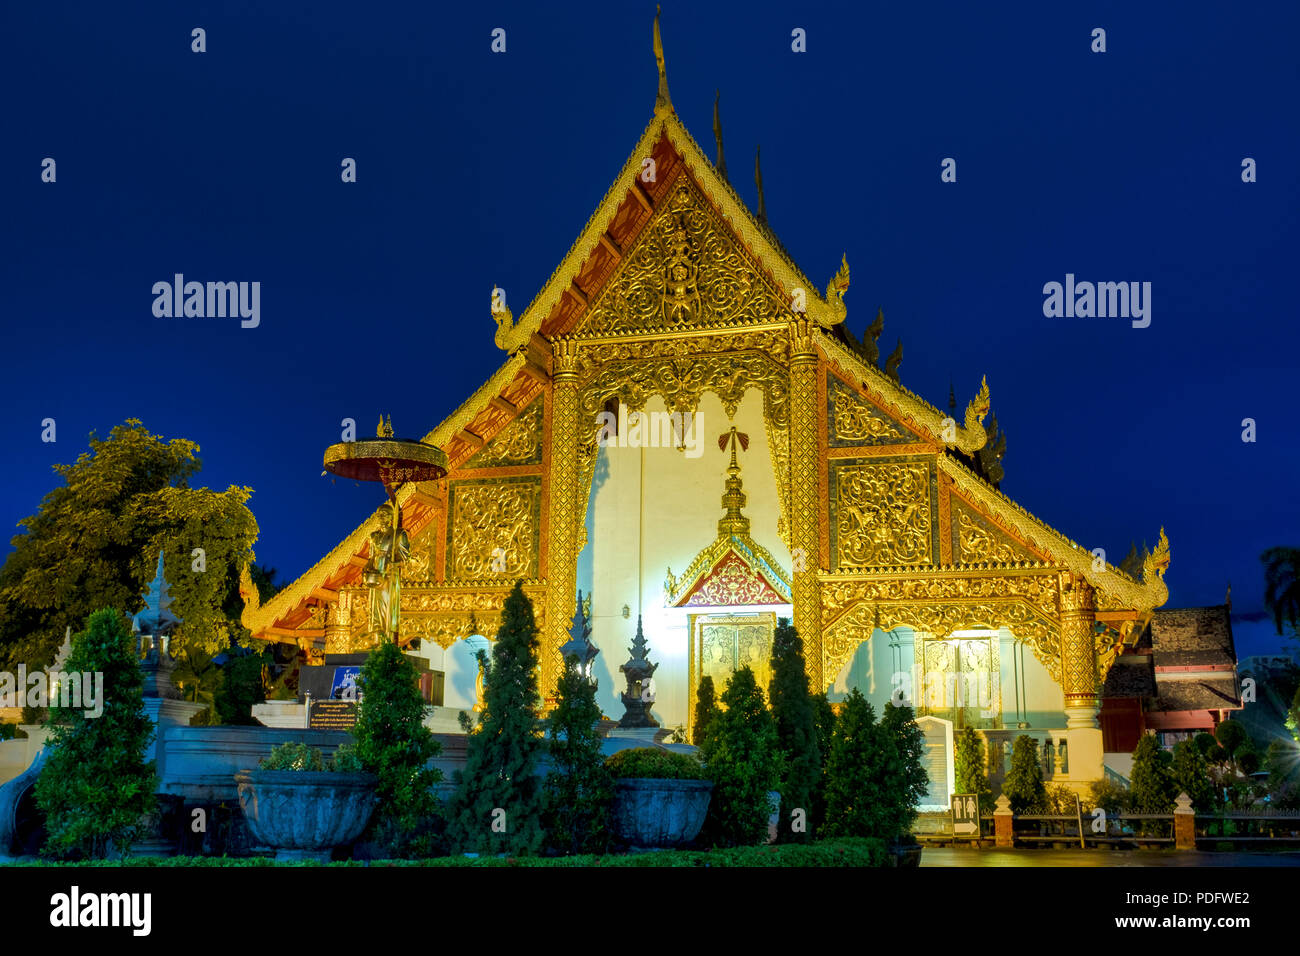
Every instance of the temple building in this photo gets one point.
(683, 428)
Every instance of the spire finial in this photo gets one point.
(662, 101)
(721, 164)
(758, 181)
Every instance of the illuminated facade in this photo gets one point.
(850, 506)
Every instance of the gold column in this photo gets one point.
(805, 535)
(564, 515)
(1079, 680)
(1078, 651)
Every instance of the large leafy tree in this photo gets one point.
(1282, 587)
(796, 732)
(499, 801)
(743, 759)
(97, 785)
(94, 543)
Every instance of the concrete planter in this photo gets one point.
(660, 813)
(303, 815)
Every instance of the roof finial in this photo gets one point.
(952, 396)
(758, 181)
(662, 102)
(721, 164)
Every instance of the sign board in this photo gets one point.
(332, 715)
(965, 814)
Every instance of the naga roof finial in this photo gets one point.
(721, 164)
(758, 181)
(662, 101)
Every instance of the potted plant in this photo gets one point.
(303, 806)
(660, 797)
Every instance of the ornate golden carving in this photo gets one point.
(494, 528)
(939, 603)
(881, 514)
(968, 436)
(857, 422)
(978, 542)
(1116, 589)
(446, 614)
(685, 269)
(519, 443)
(1078, 642)
(565, 513)
(805, 501)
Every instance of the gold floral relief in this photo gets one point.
(856, 422)
(494, 529)
(518, 443)
(881, 514)
(686, 269)
(978, 542)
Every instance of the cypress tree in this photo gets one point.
(796, 731)
(743, 759)
(1151, 782)
(855, 772)
(970, 765)
(393, 743)
(579, 789)
(706, 710)
(96, 784)
(1023, 785)
(499, 800)
(824, 720)
(905, 780)
(1189, 773)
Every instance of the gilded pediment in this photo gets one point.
(852, 420)
(686, 269)
(518, 443)
(977, 540)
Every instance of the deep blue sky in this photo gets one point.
(476, 168)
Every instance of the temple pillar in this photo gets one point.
(1079, 679)
(563, 512)
(338, 624)
(805, 503)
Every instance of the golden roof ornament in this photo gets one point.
(662, 101)
(839, 285)
(758, 181)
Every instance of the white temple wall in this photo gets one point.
(664, 523)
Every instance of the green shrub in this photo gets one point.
(796, 731)
(346, 760)
(971, 767)
(96, 786)
(8, 731)
(503, 752)
(1152, 781)
(743, 758)
(1108, 795)
(1190, 773)
(654, 763)
(1060, 800)
(578, 788)
(1023, 785)
(706, 710)
(293, 756)
(393, 744)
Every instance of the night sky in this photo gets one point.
(477, 169)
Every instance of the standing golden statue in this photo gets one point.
(393, 462)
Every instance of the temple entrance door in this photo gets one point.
(723, 643)
(960, 679)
